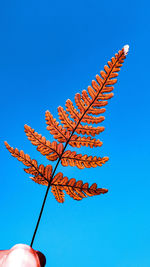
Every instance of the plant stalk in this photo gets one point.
(49, 184)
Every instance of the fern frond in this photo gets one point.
(63, 135)
(80, 103)
(64, 118)
(42, 175)
(100, 89)
(52, 151)
(55, 129)
(78, 141)
(58, 194)
(70, 158)
(75, 189)
(72, 110)
(70, 125)
(21, 156)
(92, 101)
(88, 101)
(77, 115)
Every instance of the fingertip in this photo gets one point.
(22, 246)
(42, 258)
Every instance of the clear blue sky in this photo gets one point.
(48, 52)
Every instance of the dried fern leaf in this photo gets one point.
(99, 93)
(42, 175)
(58, 194)
(70, 125)
(92, 101)
(71, 158)
(71, 191)
(78, 141)
(72, 110)
(88, 103)
(21, 156)
(80, 104)
(77, 115)
(77, 190)
(92, 109)
(55, 129)
(52, 151)
(63, 135)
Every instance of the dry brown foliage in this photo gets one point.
(73, 123)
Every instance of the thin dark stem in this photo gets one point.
(41, 211)
(45, 197)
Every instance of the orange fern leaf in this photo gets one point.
(99, 93)
(74, 159)
(55, 129)
(93, 110)
(78, 141)
(51, 150)
(63, 135)
(58, 193)
(21, 156)
(77, 115)
(42, 175)
(70, 125)
(76, 190)
(92, 101)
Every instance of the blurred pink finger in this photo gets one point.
(21, 256)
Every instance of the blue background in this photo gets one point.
(48, 52)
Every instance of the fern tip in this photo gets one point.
(26, 126)
(6, 144)
(126, 49)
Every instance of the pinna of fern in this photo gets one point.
(76, 122)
